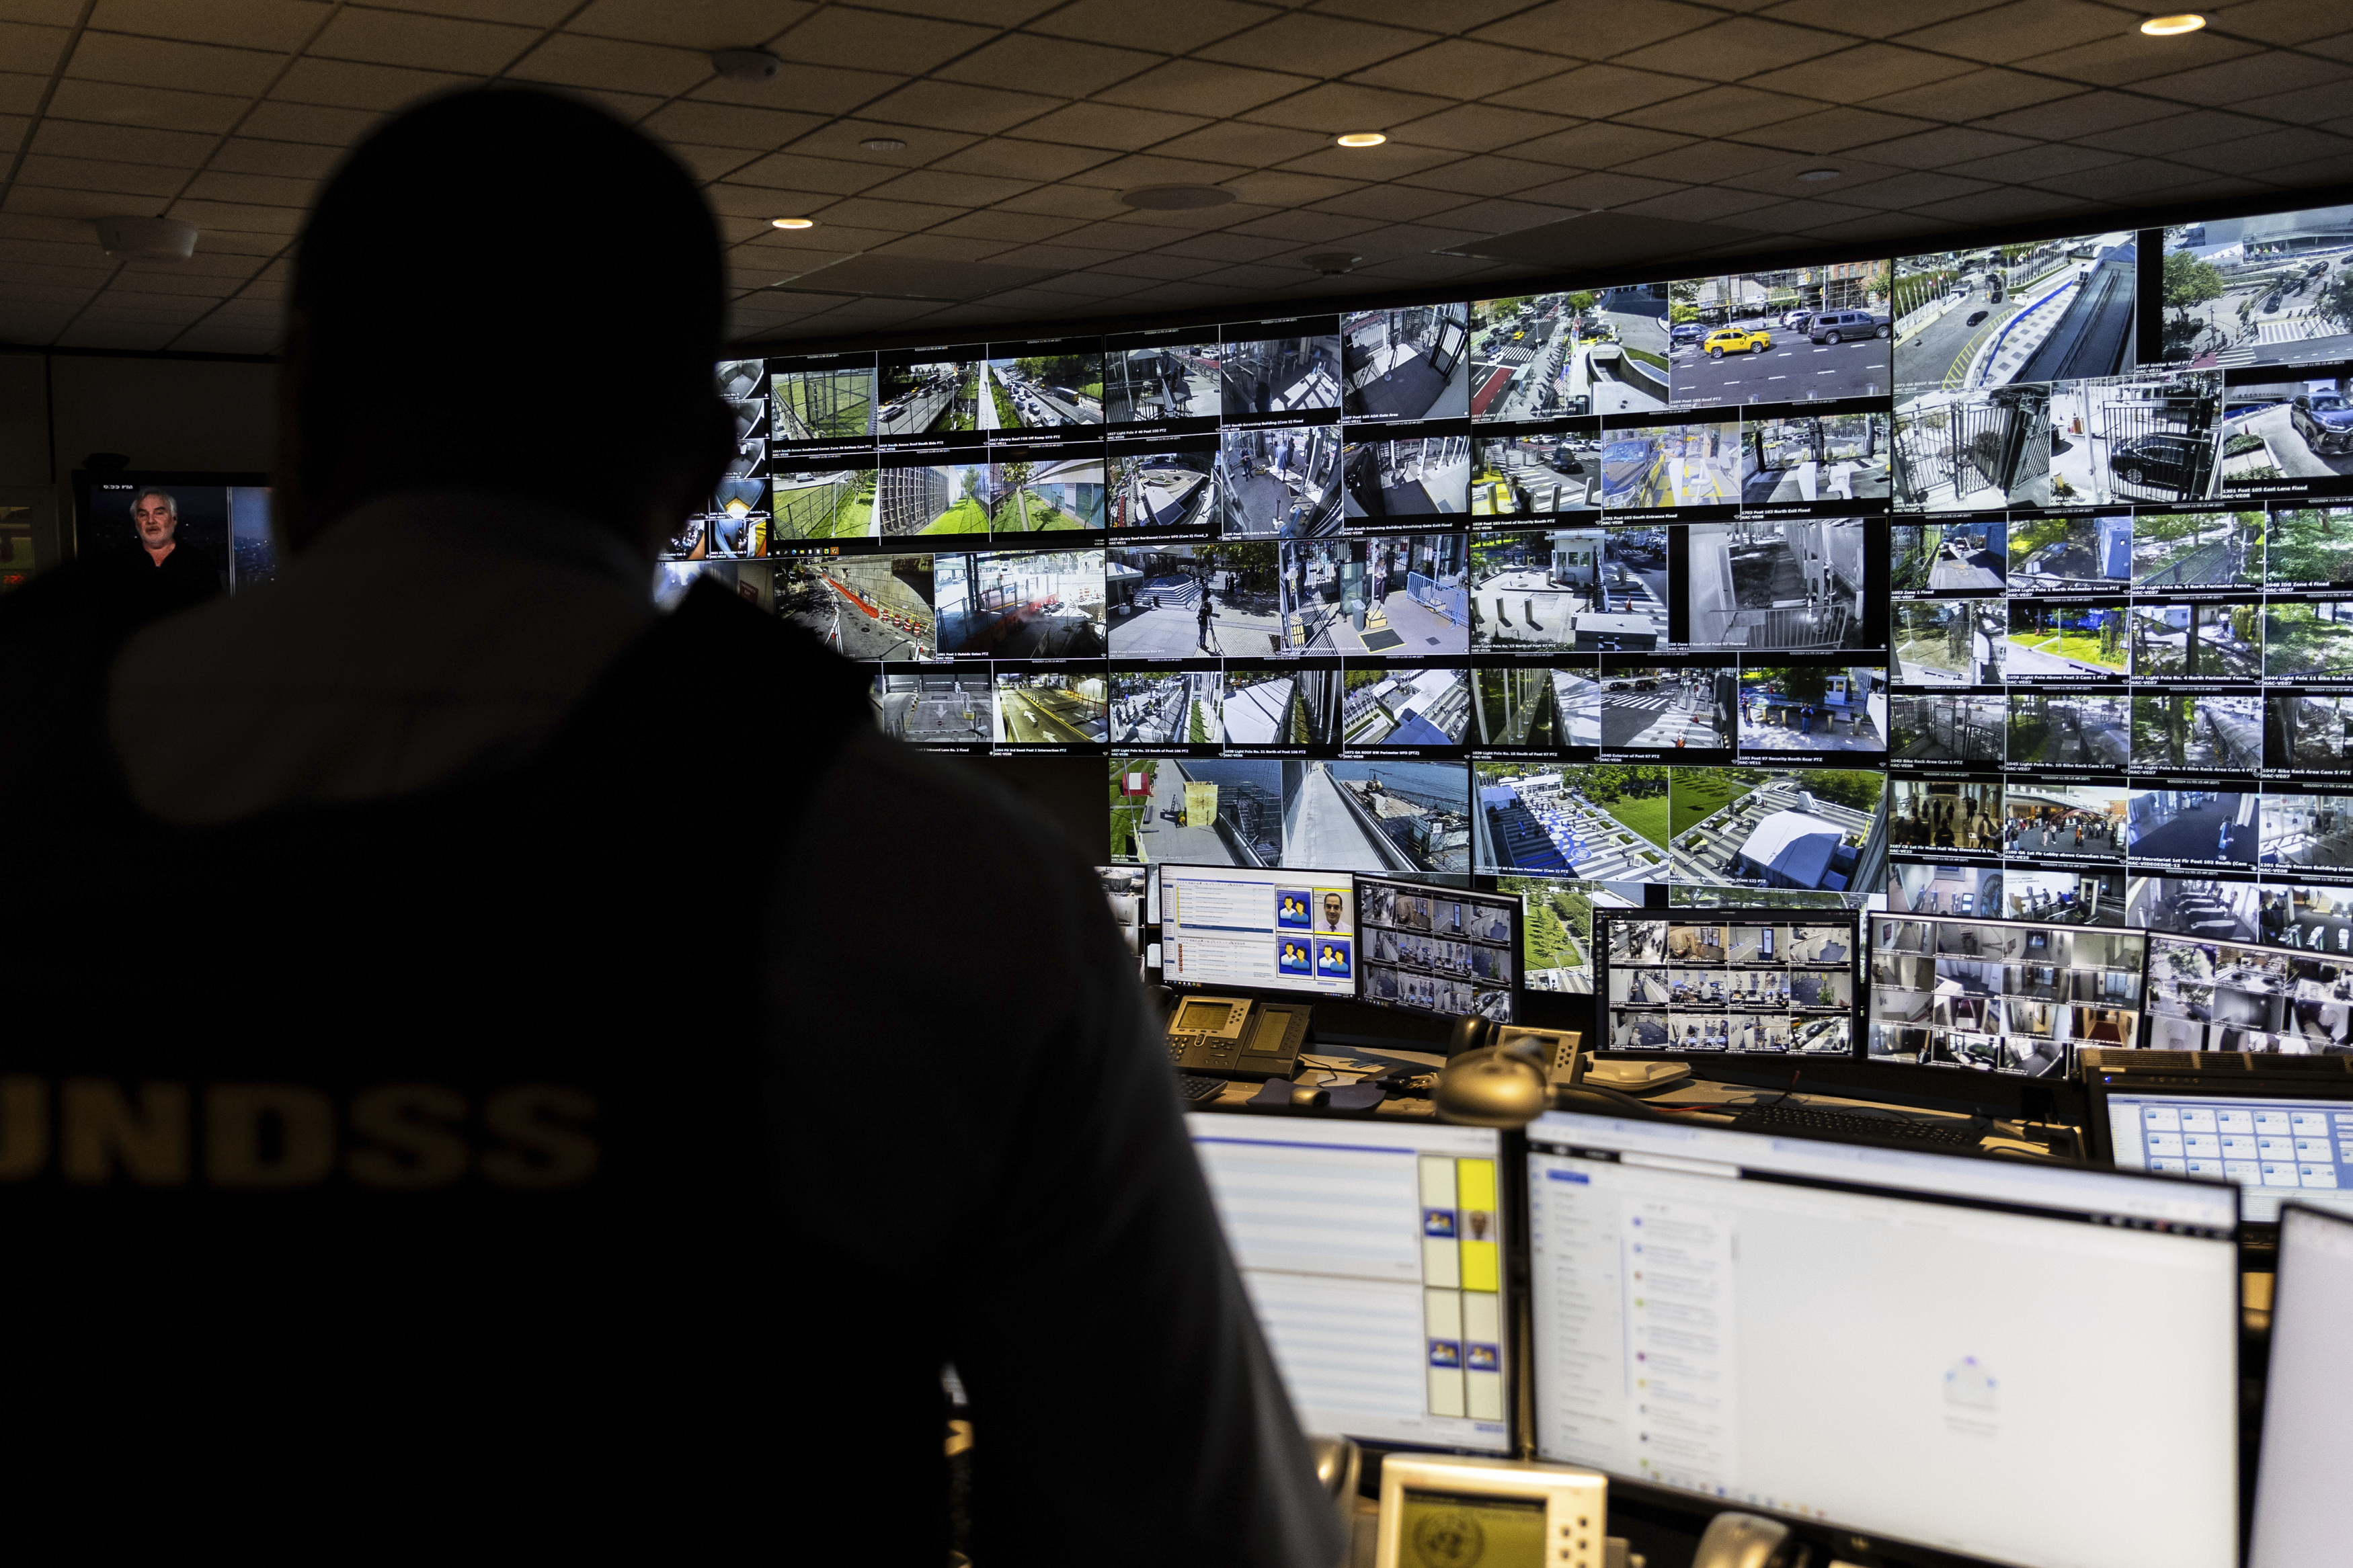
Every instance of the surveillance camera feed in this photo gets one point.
(1725, 981)
(1435, 951)
(1925, 587)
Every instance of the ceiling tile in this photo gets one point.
(428, 43)
(1073, 69)
(2035, 164)
(1456, 17)
(899, 218)
(1304, 227)
(209, 112)
(1700, 204)
(1389, 162)
(1835, 78)
(797, 171)
(317, 124)
(1172, 29)
(345, 84)
(953, 106)
(1796, 217)
(1734, 50)
(1239, 141)
(1067, 201)
(1911, 190)
(1505, 217)
(2281, 21)
(1025, 228)
(1983, 93)
(728, 125)
(1944, 147)
(1721, 111)
(1205, 87)
(2118, 182)
(706, 164)
(45, 201)
(1108, 125)
(2198, 128)
(1833, 131)
(1391, 203)
(34, 50)
(1479, 127)
(1595, 32)
(945, 247)
(948, 189)
(2085, 114)
(219, 185)
(193, 286)
(1136, 171)
(2251, 154)
(803, 89)
(1288, 189)
(1600, 145)
(1462, 67)
(729, 199)
(20, 94)
(2255, 76)
(14, 128)
(526, 13)
(244, 217)
(1601, 191)
(2131, 56)
(92, 333)
(1489, 176)
(1411, 238)
(280, 24)
(1157, 264)
(2022, 30)
(1334, 44)
(705, 24)
(1017, 160)
(1335, 107)
(846, 138)
(570, 60)
(157, 62)
(1596, 92)
(122, 143)
(1226, 247)
(1706, 162)
(870, 40)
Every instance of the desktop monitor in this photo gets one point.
(1741, 982)
(222, 519)
(2031, 1365)
(1372, 1254)
(1262, 929)
(2300, 1511)
(1438, 950)
(2001, 996)
(2278, 1136)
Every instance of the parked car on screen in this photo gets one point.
(1975, 317)
(1840, 326)
(2177, 461)
(2324, 420)
(1687, 333)
(1737, 341)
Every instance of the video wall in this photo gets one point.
(1949, 582)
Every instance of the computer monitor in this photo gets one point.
(2279, 1138)
(1738, 981)
(1266, 930)
(2300, 1512)
(2031, 1365)
(221, 520)
(1438, 950)
(2002, 997)
(1374, 1255)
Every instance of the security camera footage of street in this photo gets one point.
(1649, 584)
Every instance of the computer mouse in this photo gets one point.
(1303, 1094)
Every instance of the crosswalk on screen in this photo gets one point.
(2014, 582)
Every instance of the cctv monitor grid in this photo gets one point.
(2225, 996)
(1740, 981)
(1444, 953)
(1998, 996)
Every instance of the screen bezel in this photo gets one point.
(1848, 1539)
(1606, 917)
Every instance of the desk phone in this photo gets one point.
(1233, 1036)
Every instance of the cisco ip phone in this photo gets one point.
(1235, 1037)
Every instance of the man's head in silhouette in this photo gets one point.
(505, 290)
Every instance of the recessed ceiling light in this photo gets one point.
(1820, 174)
(1361, 139)
(745, 65)
(1176, 198)
(794, 221)
(883, 144)
(2167, 27)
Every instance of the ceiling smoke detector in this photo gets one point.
(167, 238)
(745, 65)
(1820, 174)
(1332, 263)
(1176, 198)
(883, 144)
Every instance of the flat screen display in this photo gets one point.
(2277, 1150)
(1266, 930)
(2299, 1514)
(1738, 981)
(1688, 1337)
(1437, 951)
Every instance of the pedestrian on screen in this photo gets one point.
(458, 1215)
(1204, 642)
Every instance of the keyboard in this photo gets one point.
(1198, 1091)
(1850, 1125)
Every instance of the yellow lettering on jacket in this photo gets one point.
(24, 1127)
(237, 1117)
(413, 1146)
(102, 1130)
(541, 1123)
